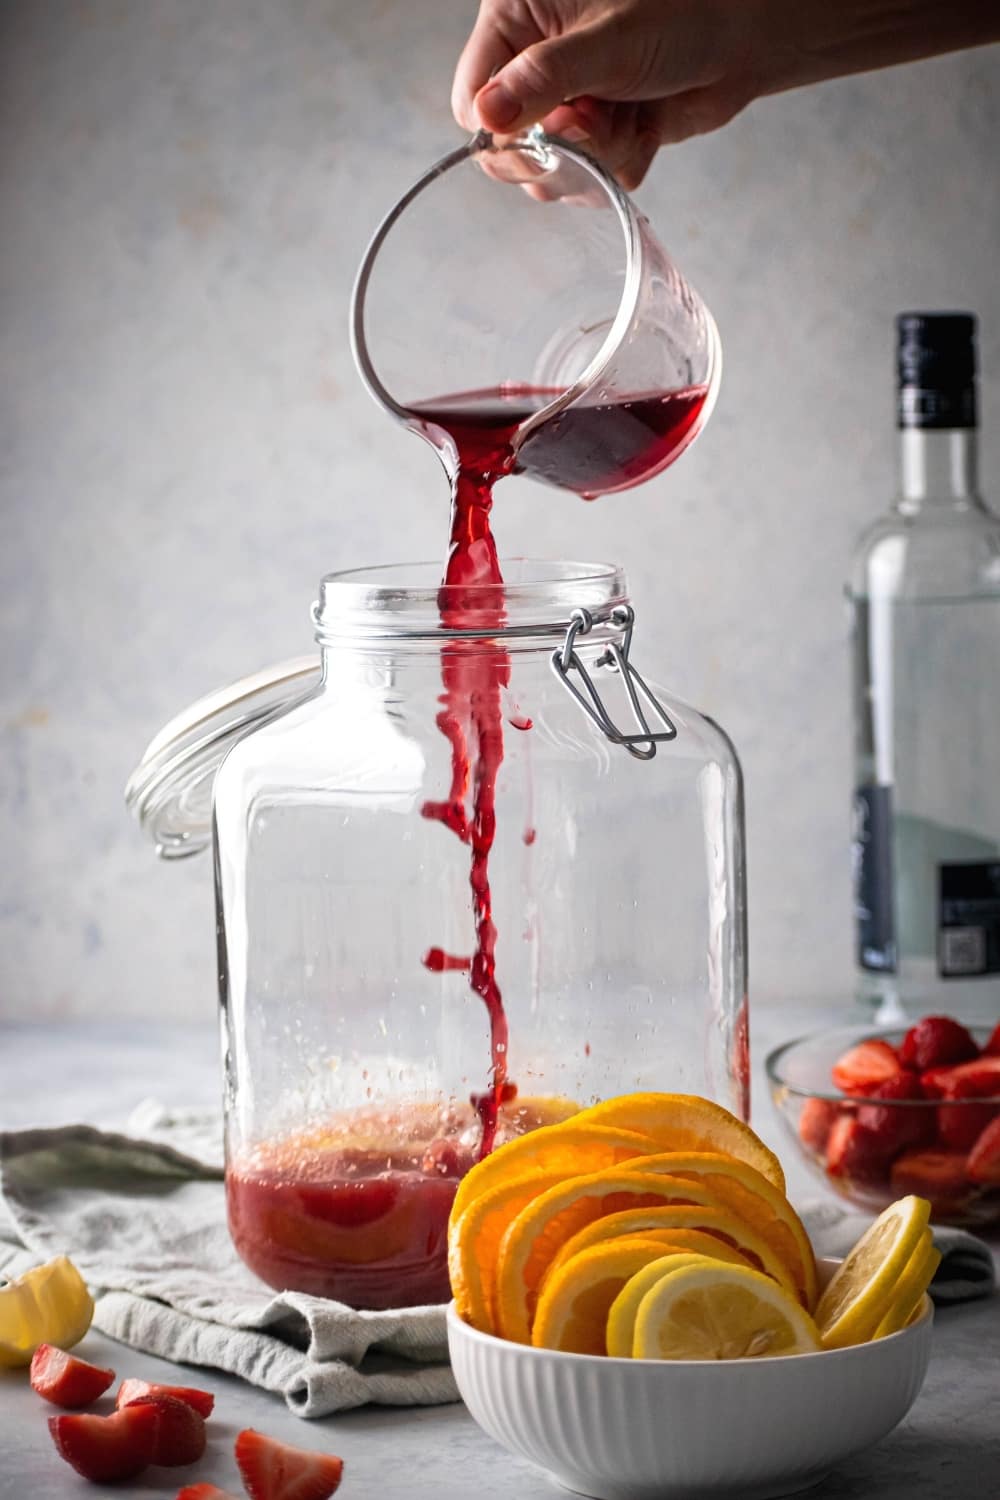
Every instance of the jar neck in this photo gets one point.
(938, 467)
(406, 610)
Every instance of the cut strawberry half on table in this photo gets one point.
(865, 1066)
(107, 1448)
(277, 1471)
(66, 1381)
(936, 1041)
(204, 1492)
(179, 1432)
(983, 1165)
(816, 1119)
(856, 1153)
(131, 1390)
(939, 1176)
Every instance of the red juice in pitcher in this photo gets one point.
(595, 449)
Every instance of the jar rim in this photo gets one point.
(538, 595)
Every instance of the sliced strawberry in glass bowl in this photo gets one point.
(936, 1041)
(882, 1113)
(983, 1162)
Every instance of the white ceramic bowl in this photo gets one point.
(748, 1429)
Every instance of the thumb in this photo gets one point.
(540, 78)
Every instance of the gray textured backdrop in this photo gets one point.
(187, 186)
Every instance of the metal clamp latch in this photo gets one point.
(642, 745)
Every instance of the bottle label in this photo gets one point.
(872, 857)
(968, 920)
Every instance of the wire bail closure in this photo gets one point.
(567, 659)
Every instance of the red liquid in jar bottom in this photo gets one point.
(375, 1242)
(358, 1209)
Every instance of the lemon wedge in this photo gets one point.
(863, 1287)
(708, 1310)
(49, 1304)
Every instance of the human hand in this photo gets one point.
(639, 73)
(625, 77)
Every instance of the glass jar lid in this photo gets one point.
(170, 790)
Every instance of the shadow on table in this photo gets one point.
(909, 1463)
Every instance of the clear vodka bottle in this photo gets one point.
(925, 597)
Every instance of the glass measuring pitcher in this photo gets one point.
(562, 324)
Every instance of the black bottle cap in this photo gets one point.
(936, 354)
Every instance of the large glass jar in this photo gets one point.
(394, 1001)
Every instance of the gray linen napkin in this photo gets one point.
(142, 1214)
(966, 1270)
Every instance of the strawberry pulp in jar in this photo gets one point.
(358, 1210)
(340, 1213)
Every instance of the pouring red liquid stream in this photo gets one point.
(474, 675)
(593, 449)
(356, 1222)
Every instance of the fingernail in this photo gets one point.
(502, 106)
(574, 134)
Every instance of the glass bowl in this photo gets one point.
(872, 1149)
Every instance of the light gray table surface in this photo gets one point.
(948, 1448)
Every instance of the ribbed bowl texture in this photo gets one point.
(621, 1429)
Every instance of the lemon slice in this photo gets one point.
(573, 1309)
(49, 1304)
(910, 1287)
(570, 1148)
(620, 1328)
(863, 1287)
(714, 1311)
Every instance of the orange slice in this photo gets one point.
(681, 1239)
(568, 1148)
(474, 1241)
(542, 1228)
(686, 1122)
(573, 1308)
(749, 1194)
